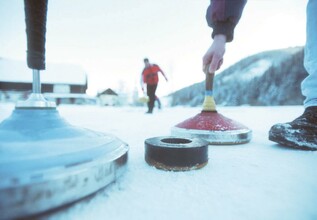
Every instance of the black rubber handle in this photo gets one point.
(35, 19)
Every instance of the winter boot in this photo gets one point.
(300, 133)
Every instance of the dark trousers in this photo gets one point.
(150, 90)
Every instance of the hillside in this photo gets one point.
(264, 79)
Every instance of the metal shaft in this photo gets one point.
(36, 85)
(36, 99)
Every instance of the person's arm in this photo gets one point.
(163, 74)
(161, 71)
(222, 16)
(142, 81)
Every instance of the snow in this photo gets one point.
(258, 180)
(254, 70)
(257, 69)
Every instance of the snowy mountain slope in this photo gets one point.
(267, 78)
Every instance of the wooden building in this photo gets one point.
(108, 98)
(57, 80)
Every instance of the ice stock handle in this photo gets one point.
(209, 81)
(35, 19)
(209, 102)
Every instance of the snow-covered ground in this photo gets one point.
(258, 180)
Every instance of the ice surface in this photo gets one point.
(258, 180)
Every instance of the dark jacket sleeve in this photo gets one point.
(224, 15)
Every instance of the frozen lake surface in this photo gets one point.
(258, 180)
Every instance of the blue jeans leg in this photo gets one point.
(309, 84)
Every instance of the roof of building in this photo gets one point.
(108, 92)
(18, 71)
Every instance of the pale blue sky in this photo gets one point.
(110, 38)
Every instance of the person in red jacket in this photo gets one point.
(223, 16)
(150, 77)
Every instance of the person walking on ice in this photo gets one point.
(150, 77)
